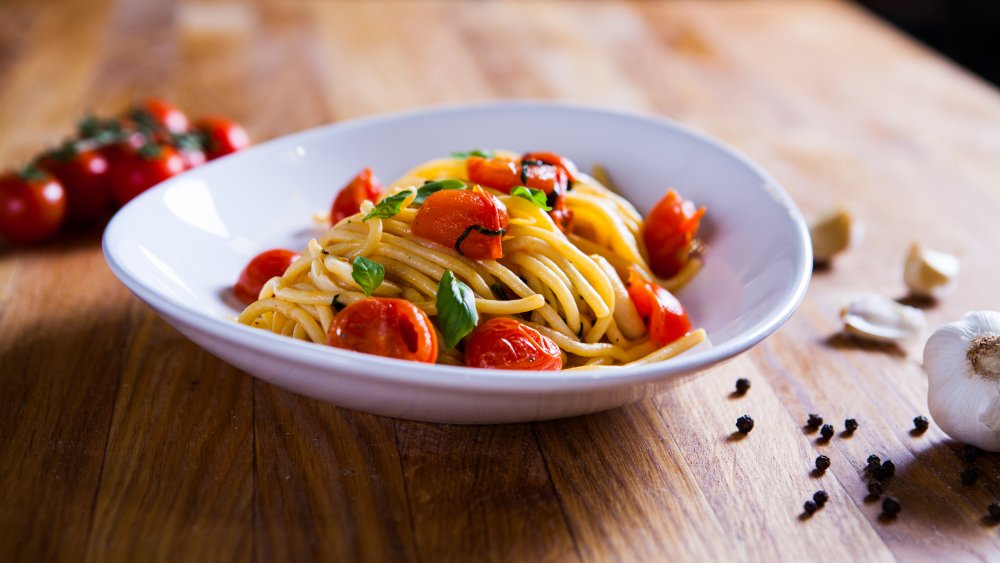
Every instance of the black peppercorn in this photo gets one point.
(920, 424)
(890, 506)
(820, 497)
(814, 421)
(969, 476)
(742, 385)
(809, 507)
(886, 470)
(994, 510)
(826, 432)
(744, 424)
(875, 488)
(874, 461)
(850, 425)
(822, 463)
(970, 453)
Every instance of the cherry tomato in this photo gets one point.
(568, 166)
(162, 113)
(665, 317)
(394, 328)
(546, 177)
(258, 271)
(561, 215)
(135, 171)
(363, 187)
(470, 221)
(670, 228)
(504, 343)
(32, 206)
(84, 177)
(503, 174)
(192, 157)
(221, 136)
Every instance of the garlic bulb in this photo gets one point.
(930, 273)
(962, 360)
(878, 318)
(834, 233)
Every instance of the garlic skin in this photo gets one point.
(878, 318)
(929, 273)
(962, 360)
(834, 233)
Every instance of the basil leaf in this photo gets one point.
(456, 309)
(388, 207)
(430, 187)
(534, 196)
(474, 152)
(369, 274)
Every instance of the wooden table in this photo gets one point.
(120, 440)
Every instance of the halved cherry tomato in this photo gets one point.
(546, 177)
(135, 171)
(568, 166)
(504, 343)
(221, 136)
(472, 222)
(84, 176)
(670, 228)
(32, 206)
(504, 174)
(364, 187)
(394, 328)
(160, 112)
(665, 317)
(258, 271)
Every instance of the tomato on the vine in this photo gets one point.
(135, 171)
(84, 176)
(32, 206)
(394, 328)
(158, 112)
(221, 136)
(505, 343)
(259, 270)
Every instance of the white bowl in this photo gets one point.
(180, 246)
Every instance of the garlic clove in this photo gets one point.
(834, 233)
(930, 273)
(878, 318)
(962, 361)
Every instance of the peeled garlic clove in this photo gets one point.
(962, 360)
(878, 318)
(930, 273)
(833, 234)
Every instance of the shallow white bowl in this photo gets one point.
(180, 246)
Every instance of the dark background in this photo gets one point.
(968, 31)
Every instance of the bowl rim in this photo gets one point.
(460, 377)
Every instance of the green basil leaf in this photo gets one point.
(534, 196)
(388, 207)
(368, 273)
(474, 152)
(456, 309)
(430, 187)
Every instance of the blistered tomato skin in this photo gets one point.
(504, 343)
(363, 187)
(258, 271)
(665, 317)
(670, 229)
(472, 222)
(32, 207)
(389, 327)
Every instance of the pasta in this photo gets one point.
(570, 284)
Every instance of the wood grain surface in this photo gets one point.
(120, 440)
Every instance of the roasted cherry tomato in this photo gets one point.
(568, 166)
(364, 187)
(665, 317)
(504, 343)
(135, 171)
(221, 136)
(546, 177)
(561, 215)
(155, 111)
(84, 177)
(262, 268)
(670, 228)
(394, 328)
(503, 174)
(32, 206)
(472, 222)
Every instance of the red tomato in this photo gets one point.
(192, 158)
(546, 177)
(568, 166)
(135, 171)
(262, 268)
(665, 317)
(364, 187)
(222, 136)
(504, 343)
(32, 206)
(561, 215)
(470, 221)
(162, 113)
(501, 174)
(670, 228)
(383, 326)
(84, 177)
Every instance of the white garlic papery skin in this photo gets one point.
(834, 233)
(878, 318)
(930, 273)
(962, 360)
